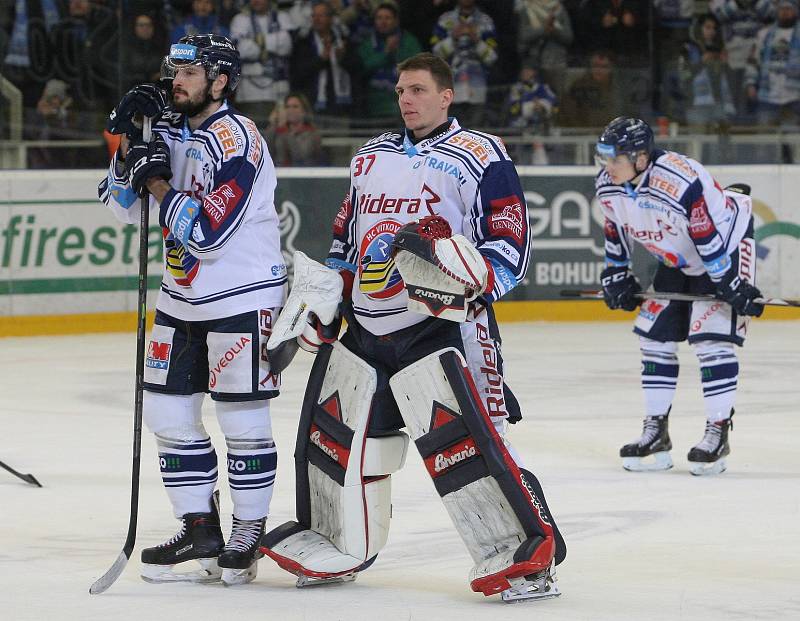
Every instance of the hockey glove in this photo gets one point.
(146, 160)
(455, 256)
(620, 287)
(143, 100)
(740, 294)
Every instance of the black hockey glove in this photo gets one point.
(620, 287)
(739, 293)
(143, 100)
(146, 160)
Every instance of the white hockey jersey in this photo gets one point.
(221, 242)
(678, 213)
(462, 175)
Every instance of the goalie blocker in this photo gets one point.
(343, 471)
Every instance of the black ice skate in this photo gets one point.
(200, 539)
(534, 586)
(708, 457)
(654, 442)
(239, 559)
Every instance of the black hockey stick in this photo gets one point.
(596, 294)
(108, 578)
(28, 478)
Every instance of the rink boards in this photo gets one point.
(67, 266)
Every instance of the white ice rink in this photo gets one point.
(641, 546)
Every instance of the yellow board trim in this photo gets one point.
(555, 310)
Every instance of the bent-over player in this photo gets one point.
(210, 178)
(433, 230)
(703, 237)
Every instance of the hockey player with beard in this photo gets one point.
(703, 237)
(433, 230)
(210, 178)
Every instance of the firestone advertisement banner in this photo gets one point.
(62, 252)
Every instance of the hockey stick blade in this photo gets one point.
(107, 579)
(28, 478)
(596, 294)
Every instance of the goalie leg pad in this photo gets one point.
(342, 476)
(497, 513)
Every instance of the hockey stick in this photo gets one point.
(596, 294)
(108, 578)
(28, 478)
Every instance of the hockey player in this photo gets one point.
(211, 180)
(703, 237)
(433, 230)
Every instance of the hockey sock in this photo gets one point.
(659, 375)
(252, 456)
(186, 457)
(719, 373)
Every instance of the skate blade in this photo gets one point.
(660, 461)
(309, 581)
(701, 469)
(523, 590)
(158, 574)
(233, 577)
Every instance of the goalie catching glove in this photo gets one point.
(442, 272)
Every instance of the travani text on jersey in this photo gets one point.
(445, 167)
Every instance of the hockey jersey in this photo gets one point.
(464, 176)
(221, 241)
(678, 213)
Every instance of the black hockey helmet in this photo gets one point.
(215, 53)
(624, 135)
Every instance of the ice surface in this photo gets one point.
(641, 545)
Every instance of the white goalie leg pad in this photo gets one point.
(342, 476)
(503, 524)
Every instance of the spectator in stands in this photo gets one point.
(671, 32)
(262, 36)
(419, 17)
(594, 96)
(292, 137)
(322, 62)
(84, 46)
(709, 97)
(531, 107)
(545, 34)
(358, 17)
(26, 23)
(465, 38)
(741, 20)
(773, 75)
(55, 119)
(619, 26)
(203, 18)
(143, 50)
(386, 46)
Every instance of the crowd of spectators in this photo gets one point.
(322, 65)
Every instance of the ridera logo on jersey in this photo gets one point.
(220, 203)
(182, 265)
(378, 276)
(508, 218)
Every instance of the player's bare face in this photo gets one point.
(423, 105)
(190, 90)
(620, 169)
